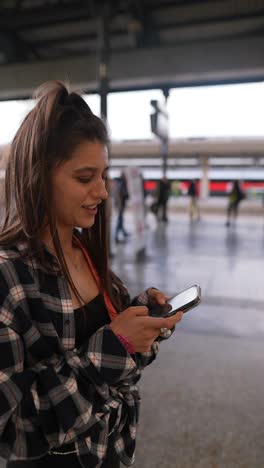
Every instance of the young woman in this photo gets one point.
(72, 343)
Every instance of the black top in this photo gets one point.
(89, 318)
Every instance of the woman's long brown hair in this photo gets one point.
(51, 131)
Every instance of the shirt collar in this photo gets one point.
(50, 264)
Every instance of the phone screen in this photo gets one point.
(179, 302)
(185, 297)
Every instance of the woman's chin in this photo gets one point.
(85, 224)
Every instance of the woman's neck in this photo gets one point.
(65, 238)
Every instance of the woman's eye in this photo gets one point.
(83, 181)
(86, 180)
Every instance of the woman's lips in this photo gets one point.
(92, 209)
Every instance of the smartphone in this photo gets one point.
(183, 301)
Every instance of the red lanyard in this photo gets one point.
(110, 308)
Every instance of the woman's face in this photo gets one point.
(78, 185)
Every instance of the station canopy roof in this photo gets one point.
(33, 31)
(39, 29)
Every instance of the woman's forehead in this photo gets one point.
(89, 154)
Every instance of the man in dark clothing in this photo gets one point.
(120, 200)
(235, 197)
(193, 194)
(163, 194)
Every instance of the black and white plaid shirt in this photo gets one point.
(50, 392)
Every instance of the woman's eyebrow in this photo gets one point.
(83, 169)
(88, 169)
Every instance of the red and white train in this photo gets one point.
(224, 159)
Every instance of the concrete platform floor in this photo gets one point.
(216, 205)
(202, 400)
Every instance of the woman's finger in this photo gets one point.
(157, 296)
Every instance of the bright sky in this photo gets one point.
(208, 111)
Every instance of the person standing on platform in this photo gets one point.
(163, 194)
(236, 195)
(121, 198)
(193, 192)
(73, 344)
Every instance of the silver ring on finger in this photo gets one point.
(165, 332)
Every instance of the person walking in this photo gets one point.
(194, 210)
(73, 344)
(121, 198)
(159, 208)
(236, 195)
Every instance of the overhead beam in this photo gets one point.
(212, 20)
(186, 64)
(14, 48)
(41, 16)
(51, 15)
(121, 34)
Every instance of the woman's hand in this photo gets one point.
(156, 296)
(139, 328)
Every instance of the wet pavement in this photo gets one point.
(202, 400)
(203, 404)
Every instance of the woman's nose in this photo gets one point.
(101, 191)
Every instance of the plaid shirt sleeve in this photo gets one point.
(145, 359)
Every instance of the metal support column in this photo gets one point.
(205, 177)
(104, 53)
(165, 142)
(103, 88)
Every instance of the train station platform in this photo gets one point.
(202, 399)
